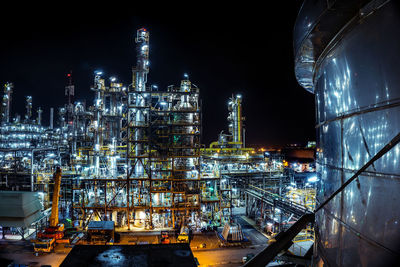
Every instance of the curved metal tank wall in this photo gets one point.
(348, 54)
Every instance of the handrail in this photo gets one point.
(282, 241)
(283, 199)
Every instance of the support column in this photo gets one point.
(246, 201)
(127, 203)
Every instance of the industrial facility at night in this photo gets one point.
(125, 176)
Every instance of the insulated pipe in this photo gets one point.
(214, 144)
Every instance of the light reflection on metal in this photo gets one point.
(349, 61)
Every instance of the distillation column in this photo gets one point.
(185, 145)
(28, 106)
(137, 124)
(6, 105)
(69, 93)
(186, 119)
(39, 116)
(139, 81)
(98, 88)
(235, 120)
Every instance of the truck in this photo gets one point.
(44, 245)
(183, 237)
(165, 237)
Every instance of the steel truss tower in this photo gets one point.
(163, 149)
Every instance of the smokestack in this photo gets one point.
(28, 106)
(39, 117)
(51, 117)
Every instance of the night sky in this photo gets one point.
(250, 53)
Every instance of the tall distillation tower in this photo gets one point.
(156, 134)
(139, 98)
(235, 138)
(236, 121)
(163, 148)
(6, 104)
(137, 108)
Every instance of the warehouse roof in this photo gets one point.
(101, 225)
(19, 209)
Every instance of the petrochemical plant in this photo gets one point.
(133, 161)
(127, 181)
(133, 157)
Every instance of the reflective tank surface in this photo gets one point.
(348, 53)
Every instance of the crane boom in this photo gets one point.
(56, 194)
(47, 239)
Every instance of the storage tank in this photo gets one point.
(347, 53)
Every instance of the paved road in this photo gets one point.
(225, 257)
(230, 257)
(21, 252)
(255, 236)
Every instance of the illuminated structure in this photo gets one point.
(228, 167)
(134, 155)
(6, 104)
(235, 138)
(26, 148)
(142, 169)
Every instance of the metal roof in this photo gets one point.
(101, 225)
(19, 209)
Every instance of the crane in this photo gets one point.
(54, 206)
(47, 239)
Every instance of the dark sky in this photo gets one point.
(250, 53)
